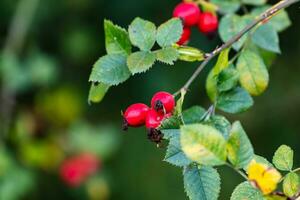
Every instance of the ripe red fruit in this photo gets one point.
(153, 119)
(163, 101)
(188, 12)
(208, 23)
(185, 36)
(75, 170)
(135, 115)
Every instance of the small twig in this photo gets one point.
(295, 171)
(267, 14)
(237, 170)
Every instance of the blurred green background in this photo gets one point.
(44, 88)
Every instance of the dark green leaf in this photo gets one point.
(227, 6)
(221, 124)
(228, 79)
(110, 70)
(235, 101)
(201, 183)
(193, 115)
(254, 2)
(267, 38)
(230, 25)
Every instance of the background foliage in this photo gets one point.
(68, 36)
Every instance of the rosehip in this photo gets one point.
(153, 119)
(208, 23)
(185, 36)
(163, 101)
(188, 12)
(135, 115)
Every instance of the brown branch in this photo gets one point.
(264, 16)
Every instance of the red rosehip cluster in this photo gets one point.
(191, 15)
(75, 170)
(139, 114)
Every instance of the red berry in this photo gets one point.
(185, 36)
(188, 12)
(75, 170)
(135, 115)
(163, 101)
(208, 23)
(153, 119)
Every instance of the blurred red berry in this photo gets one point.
(135, 115)
(153, 119)
(208, 23)
(188, 12)
(185, 36)
(75, 170)
(163, 101)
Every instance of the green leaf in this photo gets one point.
(227, 6)
(221, 124)
(172, 122)
(142, 34)
(227, 79)
(116, 39)
(193, 115)
(239, 147)
(174, 154)
(212, 78)
(275, 197)
(283, 158)
(230, 25)
(97, 92)
(234, 101)
(291, 184)
(140, 61)
(254, 2)
(169, 32)
(203, 144)
(245, 191)
(201, 183)
(110, 70)
(267, 38)
(254, 76)
(167, 55)
(280, 21)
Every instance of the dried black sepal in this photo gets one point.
(155, 135)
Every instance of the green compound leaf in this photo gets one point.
(203, 144)
(245, 191)
(227, 79)
(97, 92)
(167, 55)
(267, 38)
(239, 147)
(291, 184)
(110, 70)
(280, 21)
(174, 154)
(116, 39)
(212, 78)
(254, 2)
(227, 6)
(142, 34)
(283, 158)
(230, 25)
(254, 76)
(201, 183)
(140, 61)
(169, 32)
(234, 101)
